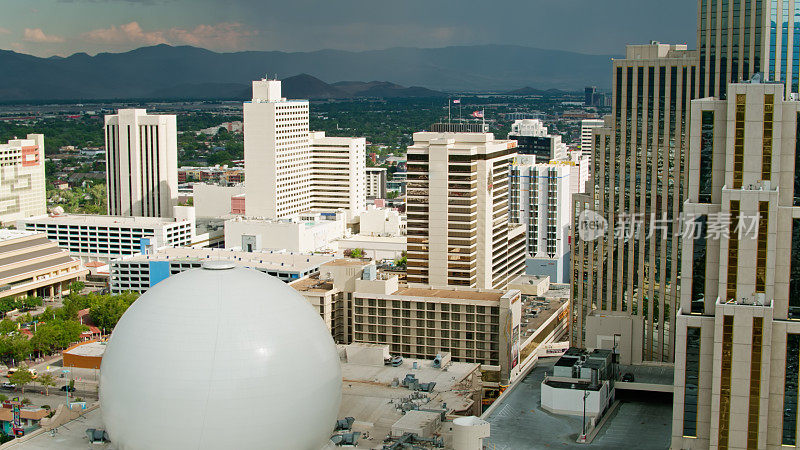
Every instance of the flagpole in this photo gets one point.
(448, 110)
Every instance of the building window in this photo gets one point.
(699, 265)
(790, 390)
(794, 274)
(725, 383)
(755, 383)
(733, 251)
(761, 255)
(738, 143)
(766, 155)
(797, 161)
(706, 156)
(691, 382)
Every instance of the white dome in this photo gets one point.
(220, 357)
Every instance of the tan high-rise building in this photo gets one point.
(457, 205)
(738, 323)
(624, 283)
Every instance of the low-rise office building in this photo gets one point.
(33, 266)
(103, 238)
(310, 232)
(140, 272)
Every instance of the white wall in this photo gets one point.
(214, 201)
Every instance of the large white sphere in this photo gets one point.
(220, 357)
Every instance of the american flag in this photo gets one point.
(477, 114)
(455, 102)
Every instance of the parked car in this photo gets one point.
(67, 388)
(8, 386)
(628, 378)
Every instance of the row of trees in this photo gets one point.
(57, 328)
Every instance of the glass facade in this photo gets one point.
(706, 156)
(692, 382)
(794, 272)
(733, 251)
(699, 265)
(766, 158)
(725, 383)
(738, 143)
(790, 390)
(755, 382)
(761, 251)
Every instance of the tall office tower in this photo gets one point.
(737, 350)
(624, 285)
(457, 206)
(587, 125)
(277, 153)
(376, 182)
(540, 199)
(532, 139)
(338, 173)
(590, 92)
(739, 38)
(22, 179)
(141, 163)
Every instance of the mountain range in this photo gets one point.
(166, 72)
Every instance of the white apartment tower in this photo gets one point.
(277, 153)
(22, 179)
(540, 199)
(457, 205)
(338, 173)
(587, 125)
(376, 182)
(141, 163)
(289, 170)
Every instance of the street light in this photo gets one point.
(585, 394)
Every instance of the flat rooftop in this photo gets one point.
(102, 220)
(375, 239)
(350, 262)
(8, 235)
(453, 294)
(261, 259)
(94, 349)
(311, 284)
(368, 397)
(519, 420)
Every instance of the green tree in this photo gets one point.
(47, 380)
(106, 310)
(7, 326)
(356, 253)
(21, 377)
(401, 262)
(76, 287)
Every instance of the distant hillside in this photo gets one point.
(527, 90)
(163, 71)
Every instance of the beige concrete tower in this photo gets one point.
(457, 204)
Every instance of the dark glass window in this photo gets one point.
(706, 156)
(797, 162)
(794, 274)
(691, 382)
(699, 265)
(790, 390)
